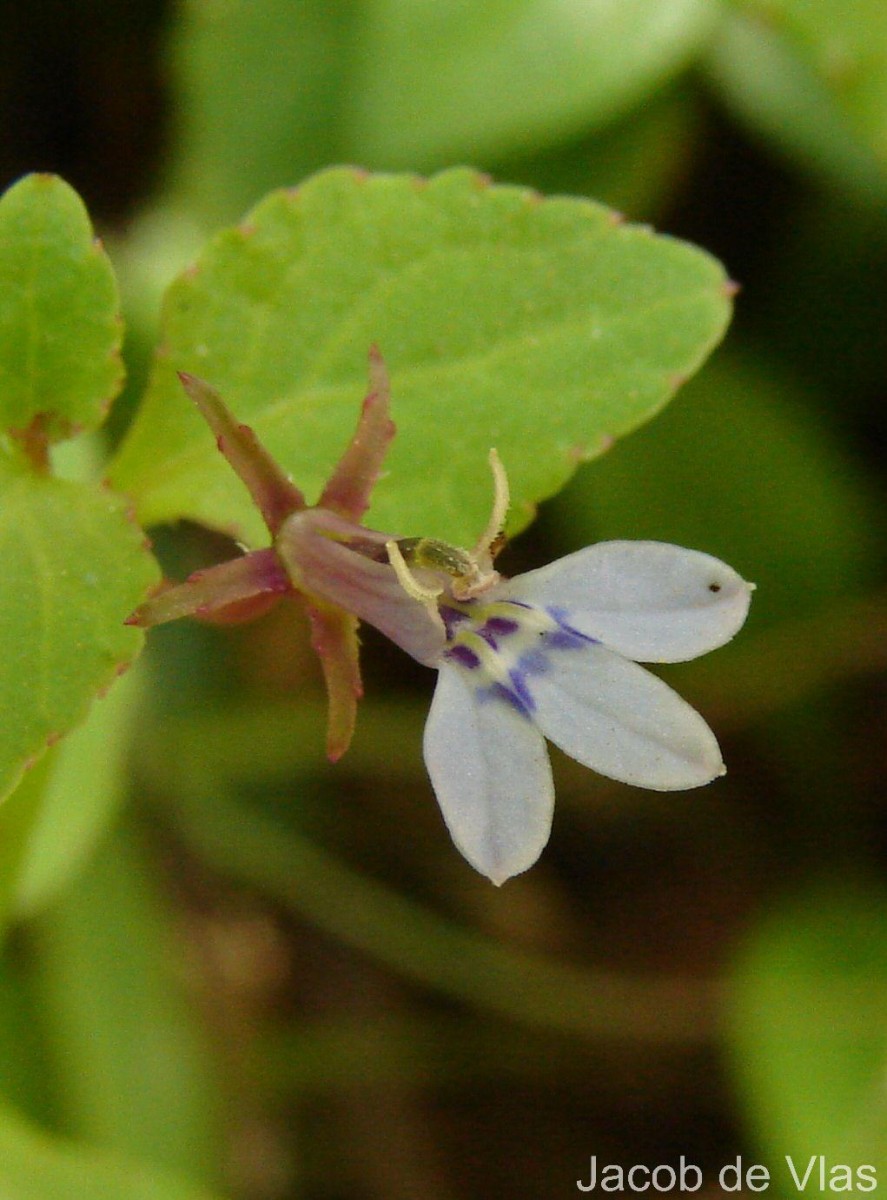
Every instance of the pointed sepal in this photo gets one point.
(234, 591)
(348, 490)
(274, 493)
(334, 640)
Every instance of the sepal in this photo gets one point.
(334, 639)
(239, 590)
(350, 486)
(274, 493)
(345, 564)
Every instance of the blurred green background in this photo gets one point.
(242, 970)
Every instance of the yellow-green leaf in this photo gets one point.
(806, 1031)
(545, 328)
(60, 327)
(37, 1166)
(74, 566)
(812, 77)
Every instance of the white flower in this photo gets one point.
(550, 654)
(553, 654)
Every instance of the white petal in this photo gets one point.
(490, 771)
(617, 718)
(647, 600)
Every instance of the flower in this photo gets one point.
(549, 654)
(554, 654)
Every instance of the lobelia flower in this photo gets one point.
(551, 654)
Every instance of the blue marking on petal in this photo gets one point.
(534, 662)
(566, 637)
(519, 699)
(512, 649)
(519, 691)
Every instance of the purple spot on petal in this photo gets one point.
(488, 637)
(452, 619)
(464, 656)
(501, 626)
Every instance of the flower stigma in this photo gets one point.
(471, 572)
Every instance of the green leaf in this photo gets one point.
(543, 327)
(36, 1166)
(406, 83)
(52, 821)
(74, 567)
(813, 79)
(282, 122)
(459, 79)
(806, 1027)
(60, 327)
(127, 1057)
(23, 1075)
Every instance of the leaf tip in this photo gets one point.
(730, 288)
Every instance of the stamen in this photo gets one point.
(435, 555)
(501, 499)
(408, 581)
(472, 574)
